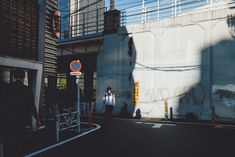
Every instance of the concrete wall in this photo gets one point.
(181, 60)
(114, 70)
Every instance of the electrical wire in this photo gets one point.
(171, 68)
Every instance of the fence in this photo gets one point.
(67, 121)
(85, 23)
(61, 117)
(158, 10)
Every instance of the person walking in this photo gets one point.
(108, 105)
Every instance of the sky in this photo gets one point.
(122, 4)
(131, 10)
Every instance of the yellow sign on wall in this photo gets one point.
(136, 88)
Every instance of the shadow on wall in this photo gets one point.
(127, 61)
(217, 77)
(132, 53)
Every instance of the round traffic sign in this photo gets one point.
(75, 66)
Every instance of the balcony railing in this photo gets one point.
(164, 9)
(84, 23)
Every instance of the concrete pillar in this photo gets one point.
(112, 4)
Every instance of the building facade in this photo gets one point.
(187, 62)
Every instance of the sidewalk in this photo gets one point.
(44, 139)
(174, 121)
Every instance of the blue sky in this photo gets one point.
(122, 4)
(133, 9)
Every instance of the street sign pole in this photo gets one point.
(75, 67)
(78, 104)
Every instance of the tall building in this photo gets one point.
(64, 12)
(19, 42)
(28, 33)
(81, 19)
(85, 17)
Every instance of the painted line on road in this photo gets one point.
(65, 141)
(156, 125)
(192, 123)
(171, 122)
(159, 125)
(224, 127)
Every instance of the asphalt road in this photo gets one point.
(134, 138)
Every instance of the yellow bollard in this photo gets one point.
(166, 109)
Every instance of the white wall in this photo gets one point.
(173, 62)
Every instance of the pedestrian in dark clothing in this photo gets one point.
(20, 108)
(108, 104)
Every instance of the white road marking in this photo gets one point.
(156, 125)
(159, 125)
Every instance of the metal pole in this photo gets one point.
(143, 11)
(145, 14)
(83, 25)
(179, 7)
(78, 106)
(97, 23)
(158, 9)
(211, 69)
(175, 8)
(57, 128)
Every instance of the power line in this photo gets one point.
(171, 68)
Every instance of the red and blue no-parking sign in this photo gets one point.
(75, 67)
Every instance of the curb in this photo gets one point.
(175, 122)
(65, 141)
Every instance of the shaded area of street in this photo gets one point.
(137, 138)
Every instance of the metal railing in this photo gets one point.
(85, 23)
(67, 121)
(63, 117)
(165, 9)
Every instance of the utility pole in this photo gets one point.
(158, 10)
